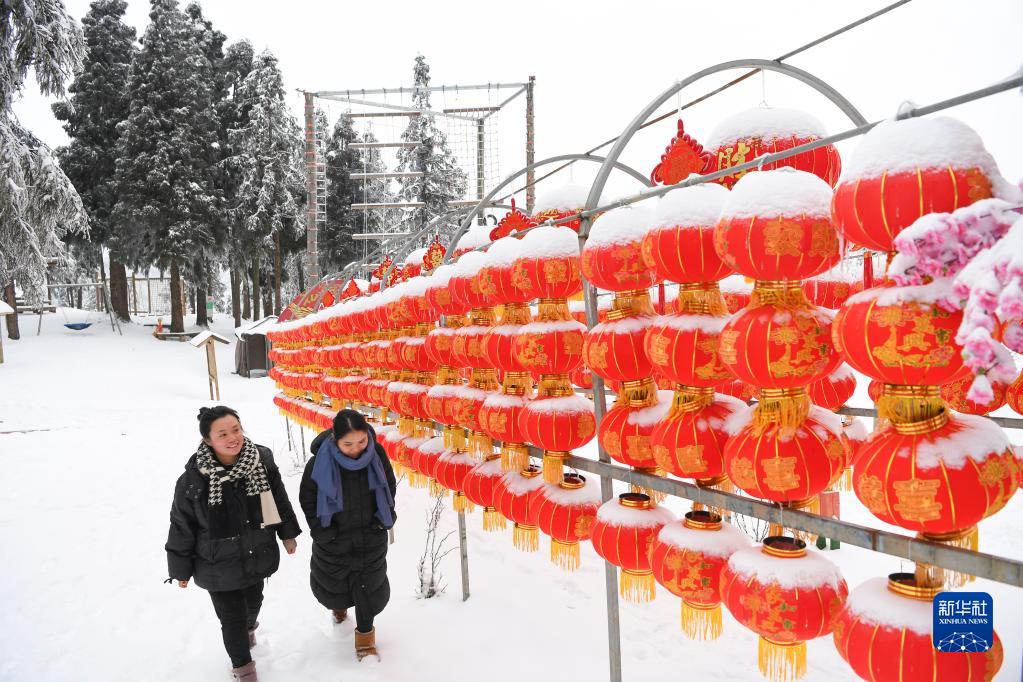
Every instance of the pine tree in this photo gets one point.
(98, 102)
(443, 181)
(335, 243)
(38, 204)
(265, 152)
(169, 196)
(377, 191)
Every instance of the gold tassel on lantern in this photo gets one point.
(436, 489)
(935, 575)
(461, 504)
(480, 445)
(701, 622)
(656, 495)
(416, 479)
(637, 586)
(782, 408)
(554, 466)
(526, 538)
(845, 481)
(565, 554)
(781, 661)
(493, 520)
(701, 298)
(907, 404)
(514, 457)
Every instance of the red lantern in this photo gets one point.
(793, 346)
(902, 170)
(687, 557)
(785, 595)
(900, 335)
(561, 202)
(834, 390)
(465, 286)
(479, 487)
(955, 395)
(1014, 394)
(495, 277)
(623, 534)
(776, 465)
(566, 513)
(776, 226)
(736, 291)
(684, 349)
(680, 245)
(828, 292)
(514, 499)
(738, 389)
(625, 431)
(549, 266)
(499, 417)
(581, 377)
(939, 482)
(451, 471)
(615, 349)
(438, 292)
(885, 633)
(756, 132)
(558, 424)
(612, 258)
(690, 442)
(554, 347)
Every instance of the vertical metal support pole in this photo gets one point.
(301, 432)
(312, 257)
(463, 546)
(287, 430)
(481, 156)
(149, 294)
(614, 629)
(134, 295)
(530, 148)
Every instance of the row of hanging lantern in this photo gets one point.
(782, 228)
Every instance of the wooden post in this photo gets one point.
(312, 261)
(211, 367)
(134, 296)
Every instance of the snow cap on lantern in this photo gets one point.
(566, 512)
(549, 264)
(687, 557)
(787, 596)
(679, 245)
(684, 349)
(496, 273)
(476, 237)
(612, 257)
(622, 535)
(767, 130)
(560, 202)
(690, 442)
(438, 292)
(776, 225)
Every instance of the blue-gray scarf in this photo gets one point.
(327, 476)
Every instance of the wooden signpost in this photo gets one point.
(208, 339)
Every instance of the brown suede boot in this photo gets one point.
(246, 673)
(366, 644)
(340, 615)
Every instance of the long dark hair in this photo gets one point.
(347, 421)
(208, 415)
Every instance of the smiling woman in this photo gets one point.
(227, 506)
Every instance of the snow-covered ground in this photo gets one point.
(94, 430)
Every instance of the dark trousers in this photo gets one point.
(237, 611)
(363, 615)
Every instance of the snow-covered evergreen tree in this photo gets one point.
(97, 104)
(377, 191)
(38, 204)
(265, 152)
(334, 243)
(443, 180)
(169, 195)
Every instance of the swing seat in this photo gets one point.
(78, 326)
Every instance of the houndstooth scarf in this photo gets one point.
(247, 468)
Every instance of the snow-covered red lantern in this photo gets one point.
(557, 425)
(549, 264)
(513, 497)
(406, 453)
(561, 202)
(834, 390)
(451, 470)
(439, 294)
(469, 345)
(776, 225)
(499, 418)
(495, 277)
(612, 257)
(885, 632)
(475, 238)
(790, 465)
(615, 349)
(465, 404)
(440, 347)
(690, 442)
(955, 395)
(738, 389)
(1014, 394)
(687, 557)
(625, 431)
(737, 292)
(831, 290)
(622, 535)
(565, 512)
(581, 377)
(680, 244)
(902, 170)
(464, 283)
(785, 595)
(793, 344)
(939, 477)
(479, 486)
(425, 459)
(550, 347)
(901, 335)
(684, 349)
(765, 130)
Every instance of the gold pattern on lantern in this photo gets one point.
(871, 493)
(613, 444)
(734, 156)
(498, 422)
(727, 351)
(555, 271)
(823, 239)
(934, 345)
(519, 277)
(533, 355)
(597, 356)
(573, 344)
(659, 350)
(980, 186)
(993, 472)
(916, 499)
(585, 426)
(638, 448)
(835, 450)
(780, 473)
(583, 525)
(742, 473)
(783, 238)
(690, 458)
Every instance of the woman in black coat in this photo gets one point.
(228, 506)
(347, 495)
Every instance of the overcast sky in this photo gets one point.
(598, 64)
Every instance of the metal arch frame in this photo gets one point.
(605, 162)
(589, 293)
